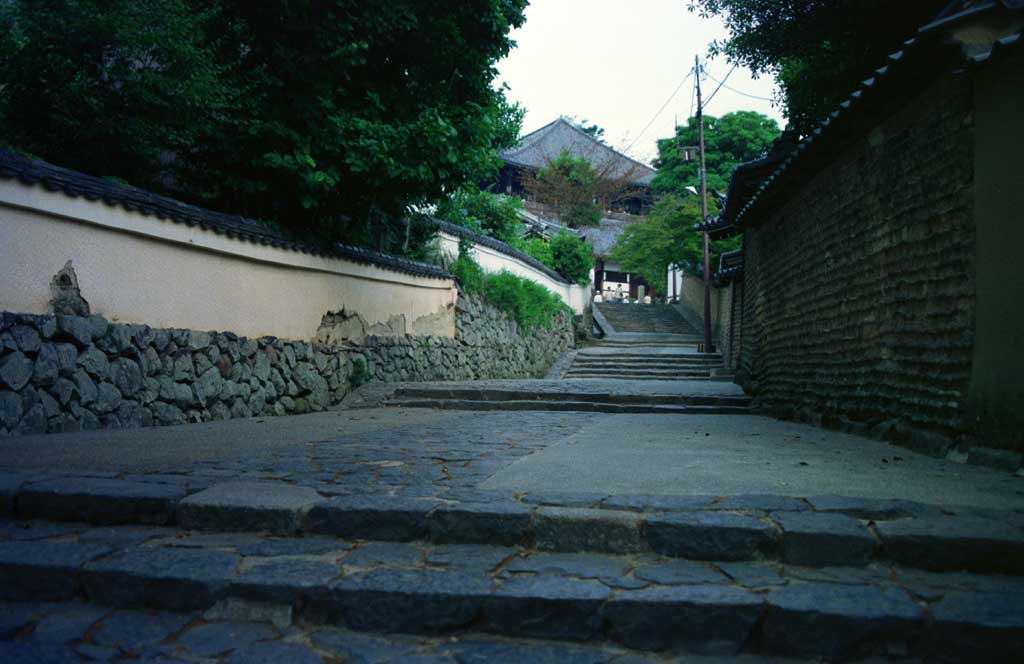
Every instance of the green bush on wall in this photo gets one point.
(527, 303)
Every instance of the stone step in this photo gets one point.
(817, 531)
(604, 397)
(566, 405)
(639, 601)
(617, 343)
(631, 374)
(643, 360)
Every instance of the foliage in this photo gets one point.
(571, 257)
(360, 372)
(495, 215)
(330, 118)
(667, 237)
(730, 140)
(529, 304)
(570, 185)
(538, 248)
(592, 129)
(818, 50)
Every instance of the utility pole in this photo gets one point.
(703, 211)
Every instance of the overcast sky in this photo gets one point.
(615, 62)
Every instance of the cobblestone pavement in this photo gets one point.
(263, 589)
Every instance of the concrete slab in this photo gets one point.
(730, 455)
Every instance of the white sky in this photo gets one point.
(615, 62)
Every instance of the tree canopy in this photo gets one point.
(571, 186)
(667, 237)
(817, 50)
(730, 140)
(331, 118)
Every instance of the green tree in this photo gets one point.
(592, 129)
(495, 215)
(571, 257)
(570, 186)
(332, 118)
(667, 237)
(817, 50)
(729, 140)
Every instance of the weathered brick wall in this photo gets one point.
(858, 303)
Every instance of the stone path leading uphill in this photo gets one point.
(399, 535)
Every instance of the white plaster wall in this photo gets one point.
(494, 261)
(138, 269)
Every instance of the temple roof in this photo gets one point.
(539, 148)
(603, 237)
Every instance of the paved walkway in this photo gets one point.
(430, 452)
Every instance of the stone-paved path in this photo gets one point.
(503, 536)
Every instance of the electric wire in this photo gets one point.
(732, 89)
(720, 84)
(663, 107)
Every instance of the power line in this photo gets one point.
(655, 116)
(732, 89)
(720, 84)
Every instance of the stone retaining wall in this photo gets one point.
(70, 373)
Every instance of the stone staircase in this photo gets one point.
(154, 571)
(650, 318)
(635, 362)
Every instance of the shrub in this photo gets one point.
(482, 212)
(571, 257)
(529, 304)
(540, 249)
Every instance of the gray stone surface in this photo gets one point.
(980, 626)
(99, 500)
(220, 638)
(271, 506)
(371, 517)
(708, 619)
(808, 620)
(15, 370)
(582, 529)
(822, 539)
(43, 570)
(504, 522)
(174, 578)
(709, 535)
(404, 600)
(134, 631)
(679, 572)
(954, 542)
(547, 607)
(283, 580)
(579, 565)
(274, 653)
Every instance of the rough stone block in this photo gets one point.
(170, 578)
(389, 518)
(10, 483)
(274, 507)
(708, 619)
(133, 631)
(99, 500)
(954, 543)
(44, 570)
(283, 580)
(402, 600)
(547, 607)
(215, 639)
(579, 565)
(822, 539)
(274, 652)
(710, 535)
(833, 621)
(505, 523)
(866, 508)
(582, 529)
(762, 503)
(981, 627)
